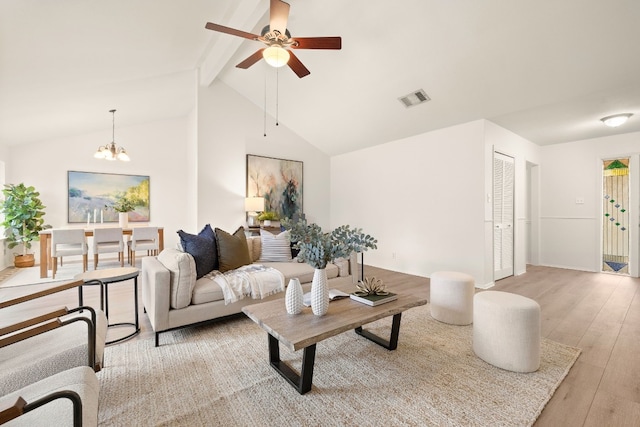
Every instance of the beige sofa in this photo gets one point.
(173, 298)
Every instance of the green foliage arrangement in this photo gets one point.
(318, 248)
(268, 216)
(23, 215)
(123, 204)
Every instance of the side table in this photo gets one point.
(105, 277)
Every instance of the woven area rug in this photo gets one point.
(11, 276)
(218, 374)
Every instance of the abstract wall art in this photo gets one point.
(279, 181)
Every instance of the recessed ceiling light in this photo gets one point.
(616, 120)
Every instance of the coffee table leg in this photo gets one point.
(302, 381)
(392, 343)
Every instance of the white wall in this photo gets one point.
(422, 197)
(229, 128)
(570, 232)
(425, 199)
(157, 149)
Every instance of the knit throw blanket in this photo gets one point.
(253, 280)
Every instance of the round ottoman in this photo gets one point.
(451, 299)
(506, 331)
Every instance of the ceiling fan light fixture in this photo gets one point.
(276, 56)
(616, 120)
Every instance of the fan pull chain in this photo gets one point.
(265, 103)
(277, 92)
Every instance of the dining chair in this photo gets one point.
(143, 239)
(67, 242)
(108, 240)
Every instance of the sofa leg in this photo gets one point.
(157, 339)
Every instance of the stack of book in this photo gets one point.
(374, 300)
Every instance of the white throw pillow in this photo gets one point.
(275, 248)
(182, 268)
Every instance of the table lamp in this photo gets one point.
(253, 205)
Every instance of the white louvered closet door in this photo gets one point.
(503, 213)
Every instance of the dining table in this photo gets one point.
(45, 245)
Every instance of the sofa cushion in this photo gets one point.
(182, 269)
(275, 248)
(233, 251)
(206, 290)
(203, 249)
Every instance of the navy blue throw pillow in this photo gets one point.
(202, 248)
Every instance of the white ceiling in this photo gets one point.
(545, 70)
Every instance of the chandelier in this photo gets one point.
(111, 151)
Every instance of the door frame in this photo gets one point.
(634, 215)
(513, 213)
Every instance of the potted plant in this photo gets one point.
(267, 217)
(23, 220)
(318, 248)
(123, 206)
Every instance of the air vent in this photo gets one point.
(415, 98)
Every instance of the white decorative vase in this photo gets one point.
(320, 292)
(123, 217)
(267, 223)
(293, 297)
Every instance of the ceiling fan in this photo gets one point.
(279, 41)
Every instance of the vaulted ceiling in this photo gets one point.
(547, 71)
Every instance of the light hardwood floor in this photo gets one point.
(599, 313)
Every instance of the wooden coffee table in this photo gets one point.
(305, 330)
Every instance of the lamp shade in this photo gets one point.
(254, 204)
(276, 56)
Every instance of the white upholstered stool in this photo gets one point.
(506, 330)
(451, 299)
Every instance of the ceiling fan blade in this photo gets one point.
(232, 31)
(317, 43)
(297, 66)
(257, 56)
(278, 16)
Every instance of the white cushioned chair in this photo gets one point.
(108, 240)
(45, 403)
(41, 346)
(143, 239)
(67, 242)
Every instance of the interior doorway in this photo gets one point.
(503, 215)
(532, 232)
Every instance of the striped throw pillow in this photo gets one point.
(275, 248)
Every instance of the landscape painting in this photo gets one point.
(93, 195)
(279, 181)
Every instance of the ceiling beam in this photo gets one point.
(222, 47)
